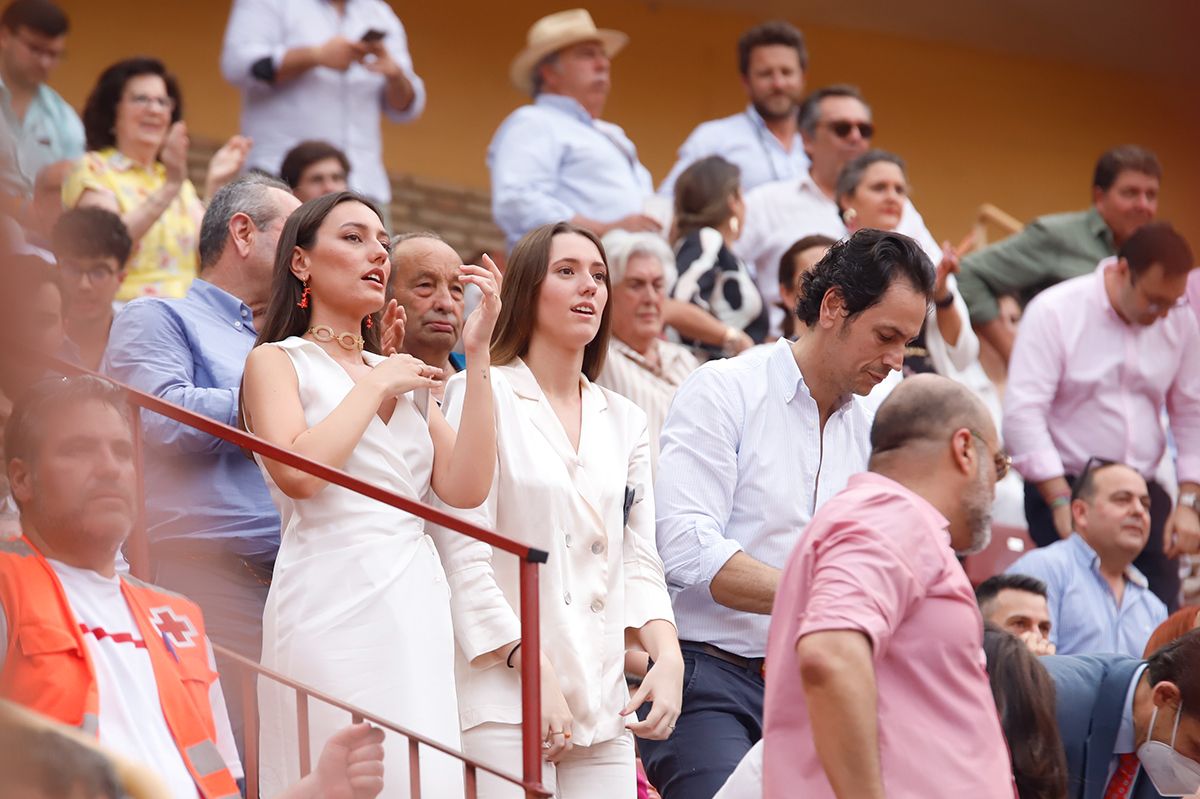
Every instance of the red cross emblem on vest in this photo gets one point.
(178, 630)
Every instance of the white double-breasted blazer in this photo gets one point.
(593, 512)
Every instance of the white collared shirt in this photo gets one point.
(342, 108)
(781, 213)
(744, 141)
(743, 467)
(551, 161)
(603, 575)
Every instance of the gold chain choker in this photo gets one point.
(347, 341)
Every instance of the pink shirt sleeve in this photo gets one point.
(860, 582)
(1038, 362)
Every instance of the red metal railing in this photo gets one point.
(531, 558)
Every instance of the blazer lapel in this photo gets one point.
(542, 414)
(593, 468)
(1106, 720)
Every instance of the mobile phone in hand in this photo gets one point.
(372, 36)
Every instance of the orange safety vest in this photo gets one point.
(47, 667)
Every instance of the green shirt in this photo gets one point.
(1049, 250)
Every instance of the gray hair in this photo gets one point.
(852, 173)
(810, 109)
(536, 77)
(621, 245)
(247, 195)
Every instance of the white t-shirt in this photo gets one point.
(131, 718)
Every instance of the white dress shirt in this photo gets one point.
(603, 575)
(779, 214)
(744, 464)
(551, 161)
(342, 108)
(744, 141)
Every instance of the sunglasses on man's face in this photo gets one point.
(842, 128)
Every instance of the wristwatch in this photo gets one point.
(1190, 499)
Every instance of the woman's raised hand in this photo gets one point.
(477, 333)
(175, 152)
(226, 163)
(401, 373)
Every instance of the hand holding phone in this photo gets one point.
(373, 35)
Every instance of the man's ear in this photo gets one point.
(833, 308)
(962, 450)
(1166, 694)
(241, 233)
(20, 480)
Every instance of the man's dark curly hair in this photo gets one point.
(862, 268)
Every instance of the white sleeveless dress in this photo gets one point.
(359, 607)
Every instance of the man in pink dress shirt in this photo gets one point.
(876, 676)
(1096, 360)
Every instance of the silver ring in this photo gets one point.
(556, 732)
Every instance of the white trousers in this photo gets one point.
(601, 771)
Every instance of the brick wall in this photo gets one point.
(463, 217)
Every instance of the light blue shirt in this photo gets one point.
(51, 130)
(1085, 616)
(550, 161)
(744, 141)
(191, 352)
(743, 467)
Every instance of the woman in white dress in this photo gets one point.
(359, 607)
(572, 478)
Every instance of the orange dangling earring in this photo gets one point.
(367, 321)
(303, 303)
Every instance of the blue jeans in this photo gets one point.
(722, 718)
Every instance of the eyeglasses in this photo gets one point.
(1000, 459)
(146, 101)
(44, 53)
(841, 128)
(1093, 464)
(94, 274)
(1159, 307)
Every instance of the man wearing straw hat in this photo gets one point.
(555, 159)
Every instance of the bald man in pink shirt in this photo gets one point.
(876, 683)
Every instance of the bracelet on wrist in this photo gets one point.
(945, 302)
(1059, 500)
(508, 660)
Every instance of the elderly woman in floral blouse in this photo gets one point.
(136, 166)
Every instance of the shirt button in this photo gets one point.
(597, 605)
(245, 314)
(597, 547)
(567, 597)
(568, 538)
(238, 325)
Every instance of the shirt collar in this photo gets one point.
(526, 385)
(566, 105)
(1099, 228)
(932, 515)
(1087, 556)
(120, 162)
(1125, 742)
(222, 302)
(623, 349)
(783, 364)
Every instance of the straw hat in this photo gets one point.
(554, 32)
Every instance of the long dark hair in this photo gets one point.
(285, 317)
(1024, 694)
(100, 110)
(523, 278)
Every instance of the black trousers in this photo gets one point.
(722, 718)
(1162, 572)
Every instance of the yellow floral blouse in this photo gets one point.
(165, 260)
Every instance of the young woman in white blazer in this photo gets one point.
(572, 478)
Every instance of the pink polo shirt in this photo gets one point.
(876, 558)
